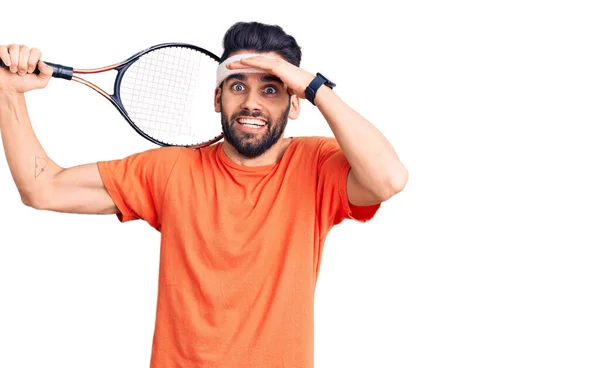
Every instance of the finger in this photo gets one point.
(45, 70)
(259, 62)
(4, 56)
(13, 51)
(255, 62)
(235, 65)
(23, 59)
(34, 56)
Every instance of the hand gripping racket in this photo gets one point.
(165, 93)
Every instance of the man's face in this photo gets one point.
(254, 111)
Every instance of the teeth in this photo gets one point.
(252, 126)
(254, 122)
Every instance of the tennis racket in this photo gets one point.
(165, 93)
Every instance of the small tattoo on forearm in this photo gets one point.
(40, 165)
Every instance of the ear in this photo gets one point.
(218, 99)
(295, 108)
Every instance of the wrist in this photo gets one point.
(318, 83)
(322, 95)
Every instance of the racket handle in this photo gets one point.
(60, 71)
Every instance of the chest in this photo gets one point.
(232, 220)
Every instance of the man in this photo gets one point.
(243, 222)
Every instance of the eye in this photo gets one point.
(270, 90)
(237, 87)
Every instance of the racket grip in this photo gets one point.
(59, 71)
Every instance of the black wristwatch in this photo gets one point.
(311, 90)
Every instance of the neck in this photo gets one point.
(269, 157)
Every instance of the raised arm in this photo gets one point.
(376, 172)
(42, 183)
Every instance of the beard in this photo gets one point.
(246, 143)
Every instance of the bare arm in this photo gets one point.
(42, 183)
(377, 173)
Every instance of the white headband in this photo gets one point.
(223, 72)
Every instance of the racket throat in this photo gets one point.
(93, 86)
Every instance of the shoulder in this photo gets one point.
(317, 144)
(153, 157)
(318, 150)
(157, 153)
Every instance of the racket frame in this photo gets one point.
(67, 72)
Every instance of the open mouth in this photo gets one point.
(251, 123)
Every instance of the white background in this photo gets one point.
(488, 258)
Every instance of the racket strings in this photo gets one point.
(160, 94)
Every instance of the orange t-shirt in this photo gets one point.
(240, 248)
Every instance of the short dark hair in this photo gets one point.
(259, 37)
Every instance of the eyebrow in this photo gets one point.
(271, 78)
(235, 76)
(243, 78)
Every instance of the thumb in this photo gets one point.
(45, 70)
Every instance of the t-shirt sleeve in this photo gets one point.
(332, 178)
(137, 183)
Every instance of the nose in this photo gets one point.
(252, 102)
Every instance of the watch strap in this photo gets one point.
(313, 87)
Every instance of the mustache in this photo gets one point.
(248, 114)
